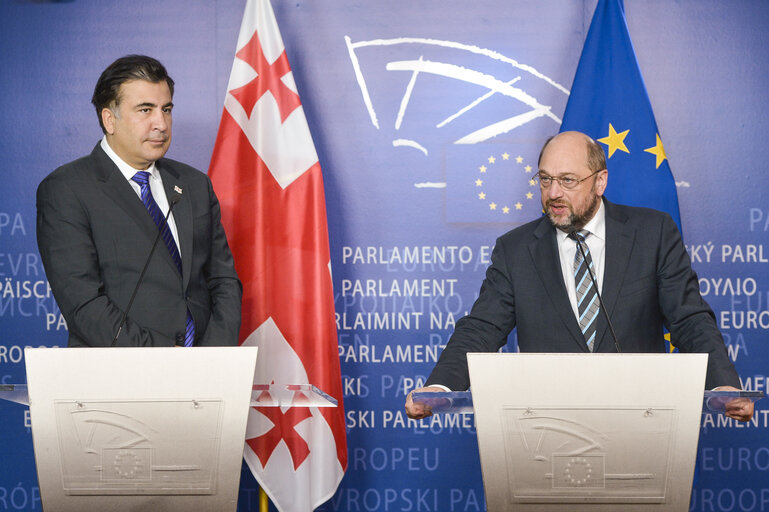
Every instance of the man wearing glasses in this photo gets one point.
(538, 280)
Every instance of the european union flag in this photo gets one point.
(609, 102)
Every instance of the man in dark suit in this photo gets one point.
(641, 266)
(97, 219)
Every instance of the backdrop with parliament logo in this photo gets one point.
(427, 118)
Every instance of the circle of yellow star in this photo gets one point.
(483, 196)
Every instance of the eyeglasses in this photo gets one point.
(566, 182)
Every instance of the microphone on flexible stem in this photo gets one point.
(573, 236)
(175, 197)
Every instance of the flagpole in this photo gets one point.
(264, 501)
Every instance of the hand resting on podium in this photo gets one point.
(417, 411)
(741, 409)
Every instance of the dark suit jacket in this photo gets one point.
(94, 236)
(648, 282)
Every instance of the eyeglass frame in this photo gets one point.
(560, 180)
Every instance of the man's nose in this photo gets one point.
(159, 121)
(554, 191)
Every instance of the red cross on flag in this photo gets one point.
(266, 174)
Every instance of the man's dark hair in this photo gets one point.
(596, 158)
(130, 67)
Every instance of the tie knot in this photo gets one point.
(579, 236)
(142, 178)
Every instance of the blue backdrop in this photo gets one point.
(399, 99)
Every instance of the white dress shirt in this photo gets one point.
(156, 186)
(567, 250)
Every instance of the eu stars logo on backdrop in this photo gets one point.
(492, 183)
(609, 102)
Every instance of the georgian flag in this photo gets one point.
(268, 179)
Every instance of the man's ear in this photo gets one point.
(602, 179)
(108, 120)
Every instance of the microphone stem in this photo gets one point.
(141, 275)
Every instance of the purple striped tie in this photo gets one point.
(143, 179)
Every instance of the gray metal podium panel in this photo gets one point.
(124, 429)
(587, 431)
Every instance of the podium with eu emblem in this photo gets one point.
(139, 428)
(161, 429)
(588, 432)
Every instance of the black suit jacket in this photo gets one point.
(94, 236)
(648, 283)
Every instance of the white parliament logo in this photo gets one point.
(482, 76)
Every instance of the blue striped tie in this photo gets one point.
(587, 298)
(143, 179)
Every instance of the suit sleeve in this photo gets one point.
(485, 329)
(223, 284)
(691, 322)
(72, 267)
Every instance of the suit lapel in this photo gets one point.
(619, 246)
(182, 214)
(544, 252)
(116, 187)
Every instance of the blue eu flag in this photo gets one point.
(608, 101)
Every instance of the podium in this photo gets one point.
(160, 429)
(584, 431)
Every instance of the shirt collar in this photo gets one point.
(125, 169)
(596, 225)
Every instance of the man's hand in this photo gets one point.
(741, 409)
(418, 411)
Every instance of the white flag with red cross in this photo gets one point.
(268, 179)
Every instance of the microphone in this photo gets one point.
(174, 198)
(573, 236)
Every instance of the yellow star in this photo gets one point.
(492, 206)
(528, 168)
(615, 140)
(482, 195)
(492, 159)
(505, 156)
(482, 168)
(519, 159)
(518, 206)
(478, 182)
(506, 209)
(529, 195)
(532, 182)
(658, 151)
